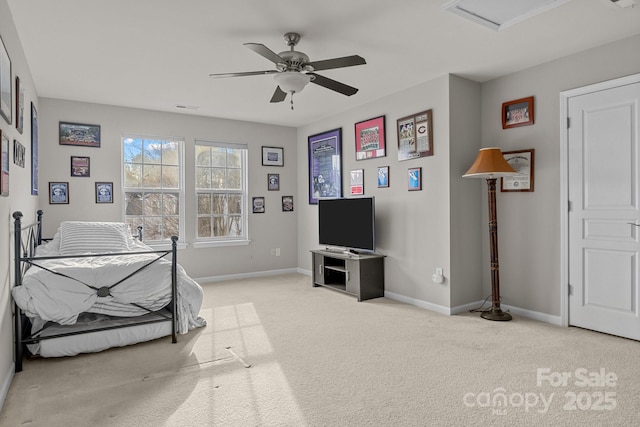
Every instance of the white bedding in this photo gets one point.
(51, 297)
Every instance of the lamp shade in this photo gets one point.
(490, 163)
(292, 81)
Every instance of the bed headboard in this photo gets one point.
(26, 239)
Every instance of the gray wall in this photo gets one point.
(19, 198)
(273, 229)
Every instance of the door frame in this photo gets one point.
(564, 180)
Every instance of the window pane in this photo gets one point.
(234, 179)
(204, 226)
(152, 176)
(171, 227)
(235, 204)
(152, 228)
(219, 204)
(204, 204)
(132, 150)
(132, 175)
(235, 226)
(234, 158)
(133, 204)
(170, 176)
(133, 222)
(218, 157)
(219, 226)
(203, 177)
(153, 204)
(217, 179)
(152, 152)
(170, 153)
(171, 205)
(203, 155)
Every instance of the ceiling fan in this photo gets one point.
(294, 70)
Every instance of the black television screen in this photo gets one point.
(348, 223)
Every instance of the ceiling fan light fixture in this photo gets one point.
(292, 81)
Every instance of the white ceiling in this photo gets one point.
(156, 54)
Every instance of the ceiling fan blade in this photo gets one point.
(279, 95)
(346, 61)
(264, 51)
(242, 74)
(333, 85)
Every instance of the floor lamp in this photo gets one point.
(490, 164)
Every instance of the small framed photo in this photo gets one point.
(370, 139)
(357, 182)
(517, 113)
(522, 161)
(258, 205)
(273, 182)
(104, 192)
(79, 134)
(80, 166)
(287, 203)
(415, 179)
(272, 156)
(383, 177)
(58, 193)
(19, 152)
(415, 136)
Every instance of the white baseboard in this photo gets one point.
(418, 303)
(534, 315)
(6, 383)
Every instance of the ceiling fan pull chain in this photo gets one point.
(292, 100)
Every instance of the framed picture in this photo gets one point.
(80, 166)
(415, 136)
(287, 203)
(523, 163)
(273, 182)
(4, 164)
(517, 113)
(58, 193)
(357, 182)
(79, 134)
(104, 192)
(415, 179)
(272, 156)
(34, 150)
(325, 165)
(370, 139)
(258, 205)
(5, 83)
(383, 177)
(19, 151)
(19, 105)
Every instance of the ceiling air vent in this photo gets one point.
(499, 14)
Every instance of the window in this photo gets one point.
(221, 191)
(153, 186)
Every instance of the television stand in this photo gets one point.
(361, 275)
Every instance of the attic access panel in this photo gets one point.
(499, 14)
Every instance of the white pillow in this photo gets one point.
(80, 237)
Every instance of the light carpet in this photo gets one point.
(279, 352)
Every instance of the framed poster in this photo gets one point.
(79, 134)
(517, 113)
(4, 173)
(383, 177)
(104, 192)
(19, 151)
(370, 139)
(415, 136)
(5, 83)
(258, 205)
(415, 179)
(522, 161)
(80, 166)
(325, 165)
(19, 105)
(273, 182)
(272, 156)
(34, 150)
(287, 203)
(357, 182)
(58, 193)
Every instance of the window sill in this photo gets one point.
(165, 246)
(219, 243)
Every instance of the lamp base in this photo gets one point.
(495, 313)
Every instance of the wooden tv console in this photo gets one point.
(361, 275)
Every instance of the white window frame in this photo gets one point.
(158, 244)
(205, 242)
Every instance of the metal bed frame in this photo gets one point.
(29, 237)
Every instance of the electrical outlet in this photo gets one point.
(277, 251)
(273, 252)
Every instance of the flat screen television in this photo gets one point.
(348, 223)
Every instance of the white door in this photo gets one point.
(604, 215)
